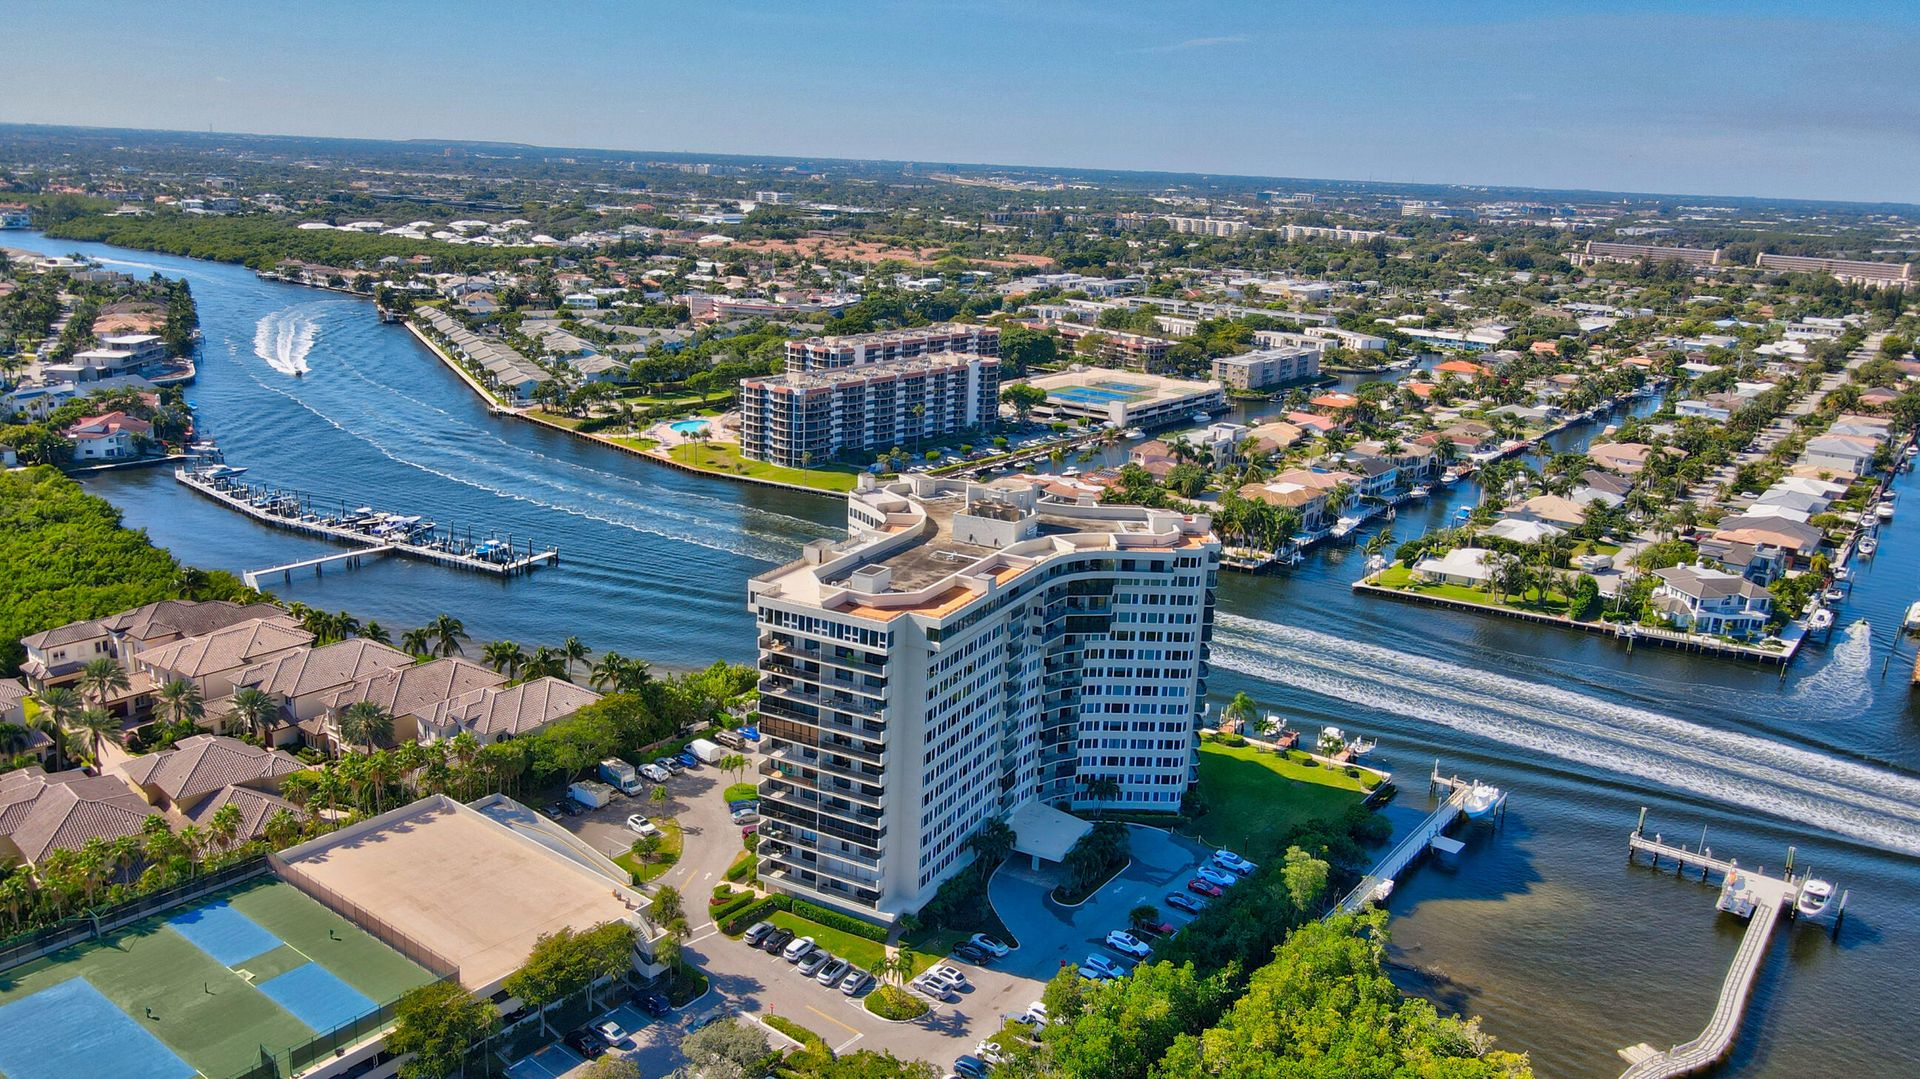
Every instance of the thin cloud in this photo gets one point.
(1199, 43)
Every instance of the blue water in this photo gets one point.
(1540, 927)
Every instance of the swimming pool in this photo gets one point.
(688, 427)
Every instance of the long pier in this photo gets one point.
(1429, 835)
(504, 562)
(351, 558)
(1770, 899)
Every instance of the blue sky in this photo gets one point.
(1815, 99)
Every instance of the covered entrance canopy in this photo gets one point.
(1045, 833)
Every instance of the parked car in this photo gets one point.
(832, 972)
(758, 933)
(1227, 859)
(797, 950)
(1095, 974)
(586, 1042)
(730, 739)
(746, 816)
(671, 764)
(1203, 887)
(988, 944)
(655, 773)
(1127, 944)
(643, 826)
(688, 759)
(855, 981)
(971, 954)
(747, 805)
(611, 1033)
(814, 960)
(971, 1066)
(776, 940)
(946, 978)
(1155, 927)
(751, 734)
(1216, 876)
(1183, 901)
(654, 1004)
(1108, 966)
(1036, 1014)
(562, 808)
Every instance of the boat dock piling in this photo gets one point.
(372, 533)
(1429, 835)
(1770, 900)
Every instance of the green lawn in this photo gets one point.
(859, 951)
(724, 458)
(632, 441)
(1250, 793)
(672, 840)
(1400, 579)
(554, 418)
(743, 792)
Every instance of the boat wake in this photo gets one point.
(284, 338)
(1840, 685)
(1793, 783)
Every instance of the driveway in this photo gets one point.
(1051, 935)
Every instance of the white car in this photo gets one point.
(946, 978)
(610, 1033)
(988, 944)
(1107, 967)
(642, 825)
(1213, 875)
(1128, 944)
(655, 773)
(1227, 859)
(797, 950)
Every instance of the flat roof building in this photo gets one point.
(808, 418)
(1853, 271)
(1604, 251)
(968, 650)
(854, 350)
(1267, 367)
(1127, 399)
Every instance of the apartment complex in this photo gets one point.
(856, 350)
(1852, 271)
(1602, 251)
(1267, 367)
(1337, 234)
(970, 651)
(1206, 226)
(805, 418)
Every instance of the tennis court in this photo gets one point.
(200, 989)
(1101, 393)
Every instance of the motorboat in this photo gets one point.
(1821, 619)
(1380, 892)
(1834, 595)
(1332, 741)
(1376, 563)
(1134, 432)
(1841, 573)
(1815, 894)
(1868, 545)
(1344, 526)
(1884, 511)
(1420, 492)
(1482, 800)
(1202, 417)
(1913, 617)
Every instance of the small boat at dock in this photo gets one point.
(1821, 619)
(1868, 545)
(1482, 800)
(1884, 511)
(1815, 894)
(1913, 617)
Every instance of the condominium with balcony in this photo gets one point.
(855, 350)
(969, 652)
(804, 418)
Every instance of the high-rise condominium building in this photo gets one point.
(807, 418)
(854, 350)
(970, 652)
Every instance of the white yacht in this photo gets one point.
(1868, 545)
(1913, 617)
(1834, 595)
(1884, 511)
(1821, 619)
(1482, 800)
(1134, 432)
(1202, 417)
(1815, 894)
(1421, 491)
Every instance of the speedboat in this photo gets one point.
(1420, 492)
(1134, 432)
(1884, 511)
(1815, 894)
(1841, 573)
(1380, 892)
(1482, 799)
(1834, 595)
(1820, 620)
(1868, 545)
(1202, 417)
(1913, 617)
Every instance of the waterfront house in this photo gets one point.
(305, 681)
(1155, 456)
(1797, 538)
(1627, 458)
(1550, 509)
(1465, 567)
(1841, 453)
(1701, 599)
(1757, 562)
(114, 436)
(405, 693)
(212, 661)
(1275, 436)
(1523, 531)
(496, 714)
(55, 656)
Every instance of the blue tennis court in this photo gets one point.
(229, 936)
(316, 997)
(70, 1029)
(1100, 394)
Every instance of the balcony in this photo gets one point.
(783, 665)
(791, 756)
(783, 721)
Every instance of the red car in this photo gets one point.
(1158, 929)
(1205, 888)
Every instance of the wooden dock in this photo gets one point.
(1429, 835)
(1773, 898)
(224, 493)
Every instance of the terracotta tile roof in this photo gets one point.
(73, 631)
(41, 812)
(416, 689)
(515, 710)
(316, 670)
(12, 693)
(255, 807)
(204, 763)
(226, 649)
(184, 618)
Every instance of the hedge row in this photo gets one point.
(732, 906)
(742, 920)
(743, 866)
(835, 920)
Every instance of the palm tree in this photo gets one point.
(545, 662)
(100, 677)
(573, 651)
(57, 705)
(224, 825)
(281, 829)
(417, 642)
(1102, 789)
(447, 632)
(504, 657)
(180, 701)
(1240, 711)
(98, 726)
(254, 711)
(381, 770)
(375, 632)
(365, 723)
(608, 671)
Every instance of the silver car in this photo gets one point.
(832, 972)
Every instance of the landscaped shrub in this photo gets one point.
(742, 920)
(835, 920)
(743, 866)
(893, 1002)
(732, 906)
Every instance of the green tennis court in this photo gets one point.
(287, 969)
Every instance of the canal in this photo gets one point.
(1540, 926)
